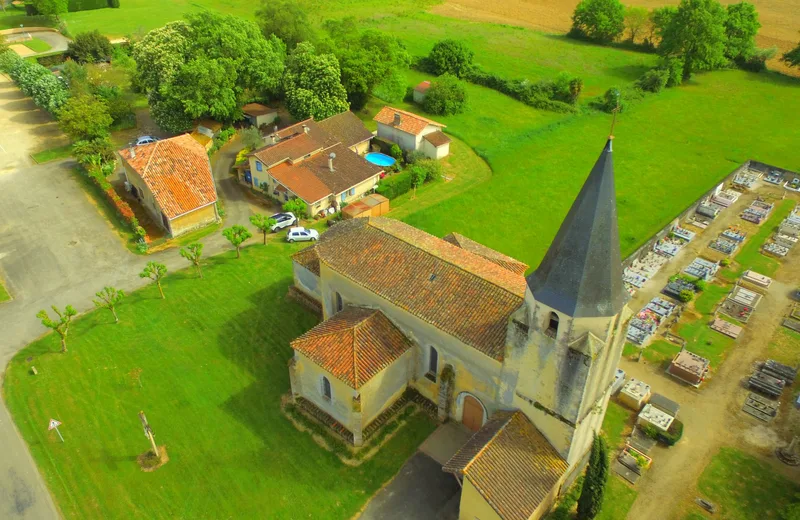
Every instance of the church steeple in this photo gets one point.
(581, 274)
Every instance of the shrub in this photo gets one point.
(701, 285)
(674, 68)
(96, 152)
(450, 57)
(446, 96)
(725, 262)
(114, 4)
(296, 206)
(251, 138)
(396, 152)
(395, 185)
(654, 80)
(686, 295)
(89, 47)
(599, 20)
(538, 95)
(8, 59)
(432, 169)
(413, 156)
(757, 60)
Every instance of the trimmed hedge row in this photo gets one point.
(393, 186)
(89, 5)
(542, 94)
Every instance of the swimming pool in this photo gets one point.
(380, 159)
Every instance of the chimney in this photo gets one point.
(397, 118)
(133, 152)
(331, 157)
(306, 129)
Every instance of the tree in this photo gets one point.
(450, 57)
(446, 96)
(312, 84)
(418, 175)
(792, 58)
(236, 235)
(600, 20)
(168, 113)
(286, 20)
(741, 26)
(206, 87)
(160, 54)
(54, 8)
(108, 298)
(61, 325)
(263, 223)
(636, 21)
(594, 482)
(84, 117)
(192, 253)
(696, 34)
(251, 138)
(296, 206)
(89, 47)
(156, 272)
(660, 19)
(94, 151)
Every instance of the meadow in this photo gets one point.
(208, 365)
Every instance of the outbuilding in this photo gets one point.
(420, 91)
(373, 205)
(257, 114)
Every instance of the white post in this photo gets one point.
(59, 434)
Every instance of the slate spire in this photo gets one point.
(581, 274)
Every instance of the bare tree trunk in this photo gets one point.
(265, 237)
(114, 312)
(238, 253)
(63, 343)
(199, 271)
(158, 282)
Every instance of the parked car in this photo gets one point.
(146, 139)
(283, 220)
(299, 234)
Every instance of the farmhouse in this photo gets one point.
(172, 179)
(526, 363)
(318, 162)
(412, 132)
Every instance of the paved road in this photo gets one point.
(56, 248)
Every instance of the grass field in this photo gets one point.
(707, 300)
(740, 485)
(37, 45)
(213, 367)
(785, 347)
(618, 499)
(615, 422)
(59, 152)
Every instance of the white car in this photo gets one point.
(146, 139)
(299, 234)
(283, 220)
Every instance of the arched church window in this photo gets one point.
(552, 326)
(326, 388)
(433, 364)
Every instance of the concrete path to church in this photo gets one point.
(712, 414)
(421, 491)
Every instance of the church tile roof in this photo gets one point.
(510, 463)
(490, 254)
(354, 345)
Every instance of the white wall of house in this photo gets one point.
(404, 140)
(306, 281)
(309, 376)
(434, 152)
(386, 387)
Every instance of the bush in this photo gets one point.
(725, 262)
(432, 169)
(674, 68)
(599, 20)
(538, 95)
(446, 96)
(8, 59)
(669, 437)
(686, 296)
(654, 80)
(251, 138)
(94, 152)
(701, 285)
(222, 137)
(89, 47)
(757, 61)
(393, 186)
(450, 57)
(296, 206)
(396, 152)
(114, 4)
(413, 156)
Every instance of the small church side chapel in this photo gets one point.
(525, 362)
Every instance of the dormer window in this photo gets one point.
(552, 326)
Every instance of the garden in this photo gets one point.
(208, 366)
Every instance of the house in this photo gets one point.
(527, 363)
(318, 162)
(205, 131)
(412, 132)
(420, 91)
(172, 180)
(258, 115)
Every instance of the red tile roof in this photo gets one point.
(295, 143)
(513, 265)
(409, 122)
(176, 171)
(257, 109)
(354, 345)
(511, 464)
(459, 292)
(437, 139)
(423, 86)
(301, 181)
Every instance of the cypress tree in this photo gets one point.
(594, 482)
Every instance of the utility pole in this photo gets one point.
(148, 432)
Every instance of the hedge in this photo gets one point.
(393, 186)
(88, 5)
(123, 208)
(538, 95)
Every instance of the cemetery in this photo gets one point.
(689, 368)
(740, 304)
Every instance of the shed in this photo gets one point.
(205, 131)
(634, 394)
(689, 367)
(664, 404)
(257, 114)
(420, 91)
(373, 205)
(652, 416)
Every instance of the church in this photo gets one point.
(525, 362)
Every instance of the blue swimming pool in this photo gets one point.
(380, 159)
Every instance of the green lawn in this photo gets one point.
(59, 152)
(37, 45)
(743, 487)
(785, 347)
(4, 296)
(615, 422)
(618, 499)
(707, 300)
(213, 360)
(750, 257)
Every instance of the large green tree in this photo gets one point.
(696, 34)
(312, 84)
(450, 57)
(741, 26)
(792, 58)
(84, 117)
(89, 47)
(367, 59)
(54, 8)
(287, 20)
(599, 20)
(446, 96)
(594, 481)
(636, 21)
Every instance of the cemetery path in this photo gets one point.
(712, 414)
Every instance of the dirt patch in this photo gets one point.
(761, 437)
(147, 460)
(779, 18)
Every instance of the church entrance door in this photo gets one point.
(472, 416)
